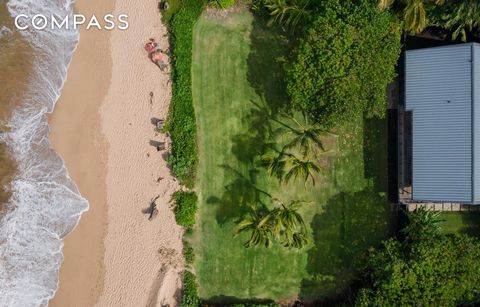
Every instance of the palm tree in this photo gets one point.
(289, 13)
(300, 168)
(289, 223)
(465, 19)
(286, 166)
(282, 223)
(414, 12)
(287, 214)
(304, 136)
(296, 240)
(385, 4)
(260, 226)
(275, 164)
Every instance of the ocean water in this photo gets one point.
(44, 204)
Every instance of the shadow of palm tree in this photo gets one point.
(251, 144)
(268, 54)
(238, 195)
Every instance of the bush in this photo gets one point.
(190, 291)
(223, 4)
(425, 270)
(345, 62)
(188, 253)
(186, 208)
(181, 118)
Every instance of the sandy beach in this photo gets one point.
(102, 127)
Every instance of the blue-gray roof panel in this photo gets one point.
(438, 92)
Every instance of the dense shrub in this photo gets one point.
(190, 291)
(428, 268)
(188, 253)
(345, 62)
(181, 119)
(223, 4)
(186, 208)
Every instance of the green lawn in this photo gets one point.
(237, 79)
(461, 223)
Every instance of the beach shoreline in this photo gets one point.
(102, 128)
(76, 135)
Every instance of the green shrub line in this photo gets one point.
(188, 253)
(186, 208)
(182, 128)
(181, 118)
(190, 290)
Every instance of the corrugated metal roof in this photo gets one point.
(438, 91)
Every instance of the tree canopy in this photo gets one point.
(428, 270)
(344, 62)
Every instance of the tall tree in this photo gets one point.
(259, 226)
(303, 168)
(283, 223)
(460, 17)
(344, 62)
(289, 13)
(290, 223)
(304, 135)
(286, 166)
(414, 12)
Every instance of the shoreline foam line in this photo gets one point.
(45, 204)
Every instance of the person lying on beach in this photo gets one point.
(159, 59)
(151, 46)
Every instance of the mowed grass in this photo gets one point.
(237, 80)
(461, 223)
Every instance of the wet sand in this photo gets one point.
(76, 135)
(102, 128)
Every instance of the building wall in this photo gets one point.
(438, 91)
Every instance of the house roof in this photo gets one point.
(440, 90)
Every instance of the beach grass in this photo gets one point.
(237, 79)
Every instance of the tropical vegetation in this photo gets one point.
(460, 17)
(185, 208)
(282, 223)
(189, 291)
(240, 105)
(294, 107)
(344, 62)
(437, 269)
(181, 116)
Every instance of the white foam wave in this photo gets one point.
(45, 203)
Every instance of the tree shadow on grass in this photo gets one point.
(375, 152)
(471, 222)
(268, 54)
(342, 234)
(252, 143)
(238, 195)
(224, 300)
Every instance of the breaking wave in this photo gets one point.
(45, 204)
